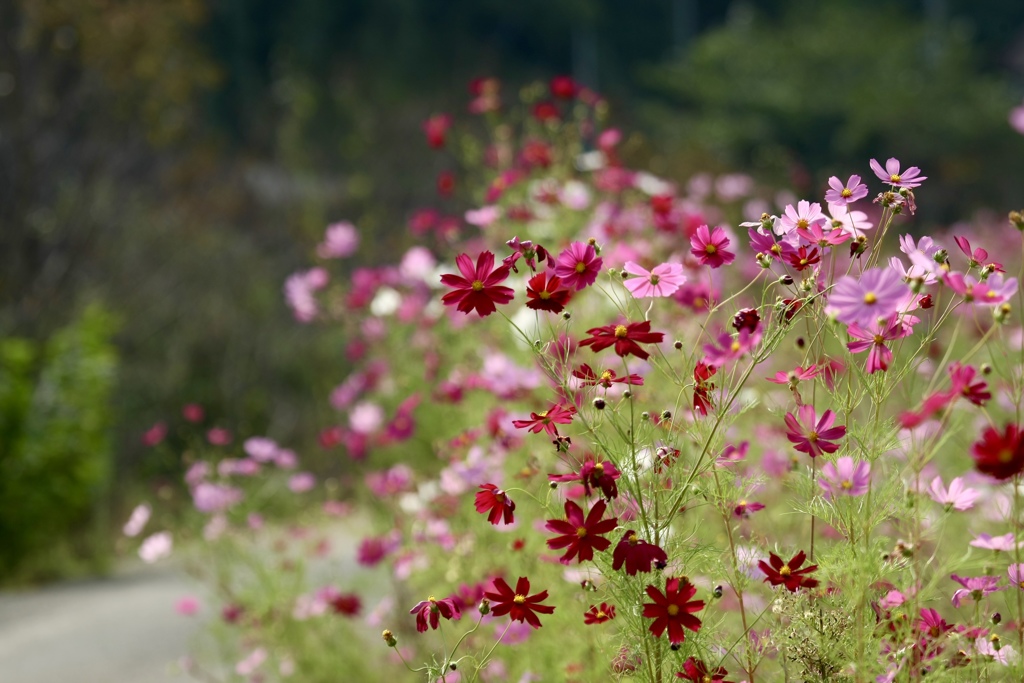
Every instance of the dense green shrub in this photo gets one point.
(55, 448)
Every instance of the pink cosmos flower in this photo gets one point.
(218, 436)
(137, 521)
(957, 496)
(301, 482)
(578, 266)
(340, 240)
(730, 348)
(874, 338)
(1004, 543)
(974, 587)
(845, 477)
(849, 221)
(155, 434)
(187, 606)
(1016, 574)
(909, 178)
(794, 377)
(156, 547)
(663, 280)
(709, 247)
(813, 439)
(841, 194)
(877, 294)
(209, 497)
(806, 215)
(1000, 290)
(299, 292)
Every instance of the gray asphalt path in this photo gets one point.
(119, 630)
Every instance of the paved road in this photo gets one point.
(118, 630)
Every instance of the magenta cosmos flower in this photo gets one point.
(874, 338)
(578, 266)
(974, 587)
(709, 247)
(845, 477)
(877, 294)
(731, 348)
(841, 195)
(663, 280)
(479, 288)
(909, 178)
(431, 609)
(813, 439)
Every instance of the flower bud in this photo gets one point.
(566, 315)
(666, 415)
(996, 617)
(678, 345)
(1017, 219)
(717, 592)
(986, 369)
(786, 280)
(645, 416)
(627, 394)
(389, 638)
(485, 605)
(941, 256)
(1002, 313)
(675, 647)
(599, 403)
(763, 260)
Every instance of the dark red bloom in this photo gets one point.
(636, 554)
(624, 337)
(802, 259)
(661, 204)
(518, 604)
(433, 609)
(673, 609)
(563, 87)
(495, 503)
(702, 388)
(999, 455)
(436, 128)
(744, 508)
(963, 384)
(479, 288)
(534, 154)
(788, 573)
(347, 604)
(546, 420)
(746, 319)
(606, 379)
(546, 294)
(445, 183)
(581, 537)
(545, 111)
(599, 615)
(697, 671)
(599, 475)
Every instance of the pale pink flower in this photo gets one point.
(663, 280)
(260, 448)
(957, 496)
(366, 417)
(891, 174)
(156, 547)
(804, 216)
(340, 240)
(1003, 543)
(841, 194)
(484, 216)
(252, 661)
(301, 482)
(137, 521)
(187, 606)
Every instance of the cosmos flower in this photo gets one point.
(624, 338)
(909, 178)
(789, 574)
(709, 247)
(581, 537)
(636, 554)
(999, 455)
(495, 503)
(431, 609)
(673, 610)
(663, 280)
(545, 293)
(479, 287)
(599, 615)
(876, 294)
(841, 194)
(845, 477)
(957, 496)
(518, 603)
(578, 266)
(813, 439)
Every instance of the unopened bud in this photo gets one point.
(566, 315)
(485, 605)
(941, 256)
(763, 260)
(786, 280)
(1017, 219)
(1002, 313)
(717, 592)
(627, 394)
(678, 345)
(599, 403)
(675, 647)
(996, 617)
(666, 415)
(389, 638)
(645, 416)
(986, 369)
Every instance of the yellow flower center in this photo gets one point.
(654, 279)
(673, 610)
(711, 249)
(813, 437)
(599, 469)
(544, 294)
(580, 267)
(1005, 455)
(803, 262)
(991, 294)
(621, 331)
(431, 599)
(802, 224)
(519, 599)
(600, 614)
(870, 298)
(846, 193)
(633, 539)
(776, 249)
(542, 414)
(735, 345)
(879, 339)
(846, 485)
(581, 532)
(785, 571)
(895, 178)
(606, 376)
(477, 285)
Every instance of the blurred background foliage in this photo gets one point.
(174, 161)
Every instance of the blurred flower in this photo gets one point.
(999, 455)
(876, 294)
(340, 240)
(436, 129)
(958, 496)
(155, 434)
(845, 477)
(301, 482)
(156, 547)
(137, 521)
(217, 436)
(599, 615)
(187, 606)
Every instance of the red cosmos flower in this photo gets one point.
(581, 537)
(495, 503)
(445, 183)
(599, 615)
(563, 87)
(347, 604)
(624, 337)
(744, 508)
(637, 554)
(999, 455)
(788, 573)
(810, 438)
(545, 111)
(673, 610)
(479, 288)
(518, 604)
(434, 608)
(697, 671)
(606, 379)
(801, 258)
(702, 388)
(546, 294)
(546, 420)
(599, 475)
(436, 129)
